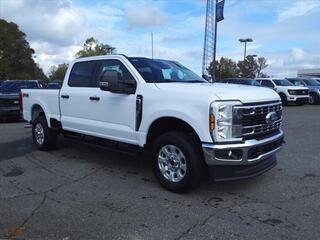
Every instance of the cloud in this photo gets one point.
(286, 32)
(144, 15)
(51, 21)
(299, 8)
(56, 30)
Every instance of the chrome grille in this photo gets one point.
(253, 119)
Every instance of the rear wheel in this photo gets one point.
(43, 137)
(178, 163)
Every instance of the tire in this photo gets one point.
(313, 99)
(283, 99)
(181, 153)
(43, 137)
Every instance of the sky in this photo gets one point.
(286, 32)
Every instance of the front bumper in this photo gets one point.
(298, 98)
(247, 152)
(231, 173)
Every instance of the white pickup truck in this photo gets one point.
(193, 128)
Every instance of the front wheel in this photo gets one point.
(283, 99)
(43, 137)
(313, 98)
(178, 162)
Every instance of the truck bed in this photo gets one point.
(47, 99)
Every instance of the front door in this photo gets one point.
(114, 113)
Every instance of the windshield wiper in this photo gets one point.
(195, 81)
(166, 81)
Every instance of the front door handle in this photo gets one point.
(65, 96)
(94, 98)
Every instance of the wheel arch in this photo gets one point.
(36, 111)
(168, 124)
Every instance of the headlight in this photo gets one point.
(226, 127)
(292, 92)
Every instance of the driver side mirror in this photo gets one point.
(112, 81)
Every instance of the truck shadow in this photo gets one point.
(136, 166)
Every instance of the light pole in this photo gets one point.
(245, 40)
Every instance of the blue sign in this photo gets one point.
(219, 11)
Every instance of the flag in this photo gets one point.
(219, 11)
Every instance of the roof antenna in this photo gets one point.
(152, 45)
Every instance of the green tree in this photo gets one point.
(93, 47)
(225, 68)
(57, 73)
(262, 64)
(248, 67)
(16, 61)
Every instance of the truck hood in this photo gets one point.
(221, 91)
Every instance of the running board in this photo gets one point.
(104, 143)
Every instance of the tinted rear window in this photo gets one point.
(16, 86)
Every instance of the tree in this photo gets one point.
(248, 67)
(16, 61)
(57, 73)
(93, 47)
(262, 64)
(225, 68)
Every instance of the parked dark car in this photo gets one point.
(242, 81)
(9, 96)
(312, 84)
(54, 85)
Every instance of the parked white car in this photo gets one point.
(190, 126)
(286, 90)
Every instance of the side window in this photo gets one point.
(267, 83)
(114, 66)
(82, 74)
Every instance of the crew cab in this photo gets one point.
(189, 126)
(286, 90)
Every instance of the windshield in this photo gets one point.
(296, 82)
(156, 71)
(312, 82)
(282, 82)
(16, 86)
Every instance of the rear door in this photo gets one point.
(75, 104)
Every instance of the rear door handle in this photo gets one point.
(94, 98)
(65, 96)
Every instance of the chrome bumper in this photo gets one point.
(251, 151)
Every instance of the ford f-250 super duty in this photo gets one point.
(191, 127)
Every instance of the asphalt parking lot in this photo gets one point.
(85, 192)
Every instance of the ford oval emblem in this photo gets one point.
(271, 117)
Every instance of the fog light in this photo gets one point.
(228, 154)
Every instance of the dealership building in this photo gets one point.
(311, 72)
